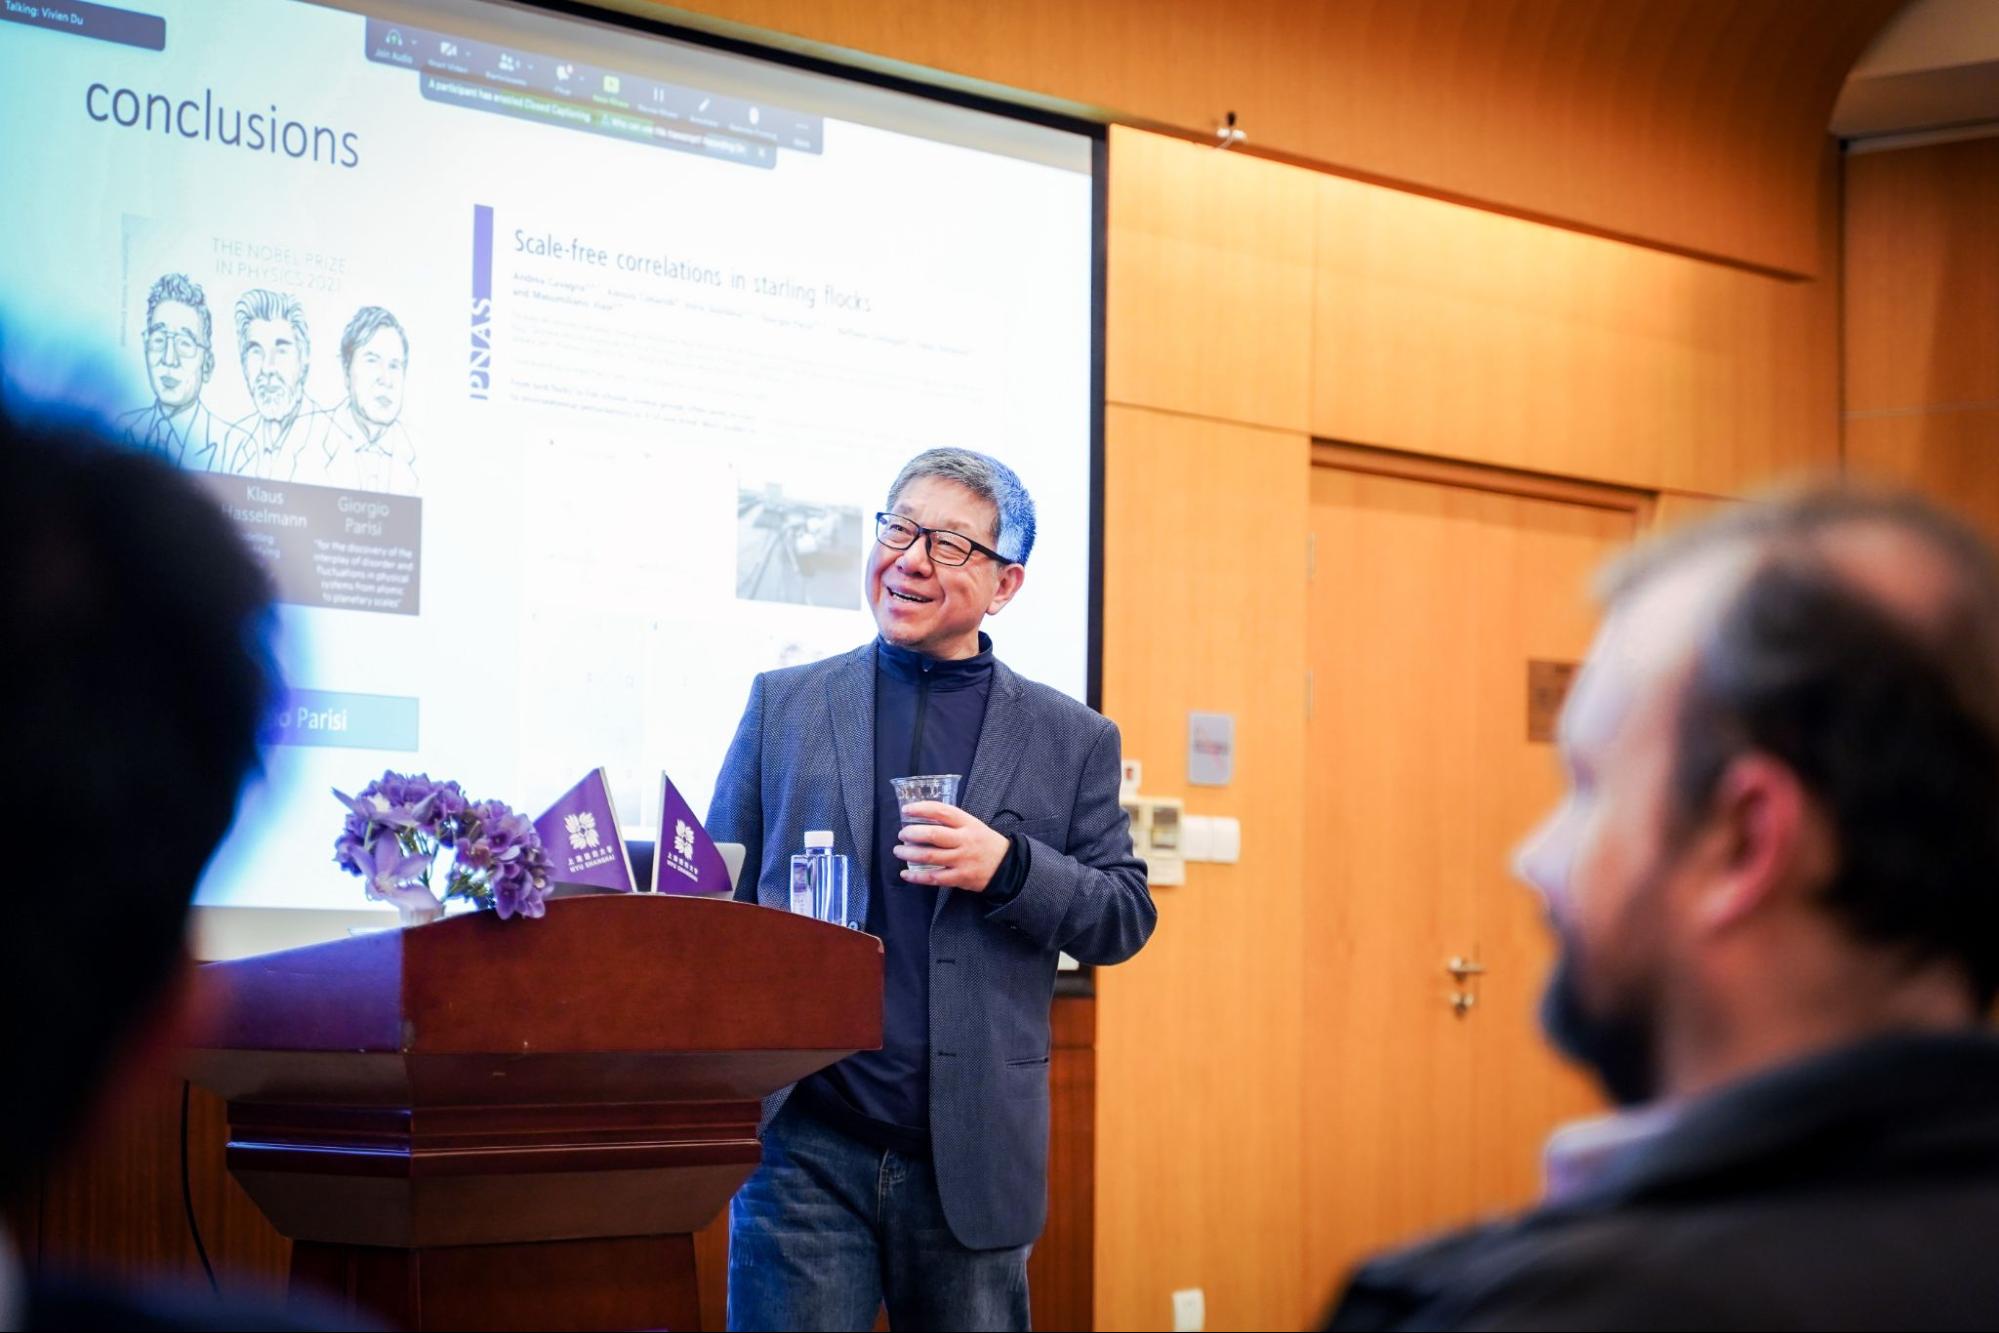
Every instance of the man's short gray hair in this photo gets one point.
(990, 480)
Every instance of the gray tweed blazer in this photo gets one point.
(1046, 767)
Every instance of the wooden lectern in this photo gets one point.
(488, 1124)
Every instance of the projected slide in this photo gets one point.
(555, 372)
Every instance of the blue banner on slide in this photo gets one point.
(344, 721)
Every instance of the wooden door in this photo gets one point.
(1429, 599)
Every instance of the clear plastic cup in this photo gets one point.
(929, 787)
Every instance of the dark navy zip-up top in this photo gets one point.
(928, 712)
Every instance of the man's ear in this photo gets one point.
(1762, 837)
(1010, 580)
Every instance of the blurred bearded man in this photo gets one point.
(1775, 882)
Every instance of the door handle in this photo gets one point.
(1462, 968)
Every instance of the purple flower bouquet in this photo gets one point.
(397, 825)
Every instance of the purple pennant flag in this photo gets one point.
(686, 860)
(584, 843)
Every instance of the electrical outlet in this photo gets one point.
(1197, 838)
(1227, 839)
(1190, 1310)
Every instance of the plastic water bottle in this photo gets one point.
(801, 884)
(829, 888)
(819, 879)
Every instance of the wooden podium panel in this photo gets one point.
(518, 1124)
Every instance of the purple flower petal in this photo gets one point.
(409, 867)
(362, 805)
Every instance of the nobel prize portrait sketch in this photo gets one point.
(554, 371)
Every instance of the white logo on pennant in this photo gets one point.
(683, 838)
(582, 830)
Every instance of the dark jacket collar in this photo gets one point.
(943, 673)
(1905, 1102)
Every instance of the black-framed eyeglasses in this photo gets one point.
(185, 344)
(946, 548)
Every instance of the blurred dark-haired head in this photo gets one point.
(1782, 825)
(138, 629)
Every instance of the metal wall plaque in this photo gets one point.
(1547, 686)
(1210, 749)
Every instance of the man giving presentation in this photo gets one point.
(917, 1175)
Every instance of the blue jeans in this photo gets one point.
(827, 1229)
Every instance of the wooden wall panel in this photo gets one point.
(1951, 456)
(1677, 509)
(112, 1203)
(1922, 278)
(1691, 124)
(1922, 322)
(1062, 1272)
(1444, 330)
(1209, 304)
(1210, 282)
(711, 1271)
(1199, 1096)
